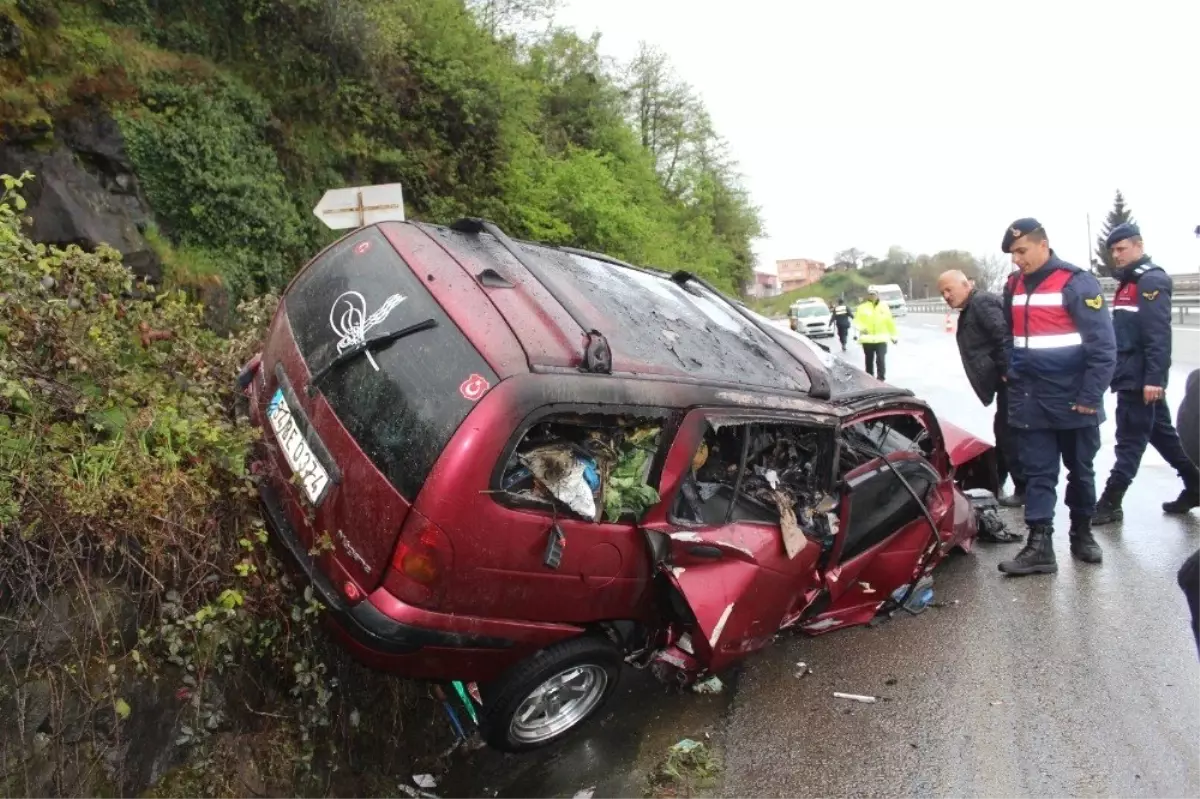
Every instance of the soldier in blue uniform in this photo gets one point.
(1142, 319)
(1061, 361)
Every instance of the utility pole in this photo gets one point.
(1091, 260)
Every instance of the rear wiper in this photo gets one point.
(368, 344)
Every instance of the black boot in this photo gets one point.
(1014, 500)
(1038, 555)
(1108, 508)
(1083, 544)
(1188, 498)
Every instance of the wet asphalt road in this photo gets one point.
(1083, 683)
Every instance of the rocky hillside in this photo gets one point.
(196, 137)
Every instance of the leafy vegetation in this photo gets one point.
(124, 483)
(239, 114)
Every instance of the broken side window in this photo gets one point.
(785, 477)
(592, 466)
(901, 432)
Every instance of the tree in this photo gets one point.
(1119, 215)
(849, 259)
(508, 16)
(993, 269)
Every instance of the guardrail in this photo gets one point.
(1184, 307)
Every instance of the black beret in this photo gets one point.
(1121, 232)
(1018, 229)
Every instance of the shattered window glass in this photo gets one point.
(592, 466)
(785, 478)
(887, 434)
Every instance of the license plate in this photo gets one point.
(299, 455)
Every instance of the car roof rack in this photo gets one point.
(597, 355)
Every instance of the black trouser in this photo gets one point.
(876, 354)
(1008, 462)
(1139, 425)
(842, 333)
(1189, 581)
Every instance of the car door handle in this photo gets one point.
(704, 551)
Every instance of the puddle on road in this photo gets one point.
(615, 753)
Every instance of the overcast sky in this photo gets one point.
(932, 125)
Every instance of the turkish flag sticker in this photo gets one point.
(473, 388)
(362, 247)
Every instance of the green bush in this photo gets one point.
(122, 461)
(213, 180)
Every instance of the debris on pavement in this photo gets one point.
(425, 781)
(414, 793)
(802, 670)
(920, 598)
(586, 793)
(712, 685)
(997, 702)
(990, 526)
(870, 700)
(688, 766)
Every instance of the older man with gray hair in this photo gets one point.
(983, 344)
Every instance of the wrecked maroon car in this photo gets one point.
(525, 466)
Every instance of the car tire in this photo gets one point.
(576, 676)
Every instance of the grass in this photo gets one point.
(183, 266)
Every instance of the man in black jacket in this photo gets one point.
(1188, 425)
(983, 344)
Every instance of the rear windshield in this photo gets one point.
(403, 413)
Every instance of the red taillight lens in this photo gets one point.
(421, 562)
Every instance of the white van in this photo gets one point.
(893, 296)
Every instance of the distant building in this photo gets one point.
(796, 273)
(764, 285)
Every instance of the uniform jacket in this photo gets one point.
(875, 323)
(1070, 359)
(840, 317)
(1188, 421)
(1142, 323)
(982, 336)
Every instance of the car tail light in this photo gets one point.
(421, 562)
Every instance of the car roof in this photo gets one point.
(658, 325)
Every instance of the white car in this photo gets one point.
(812, 318)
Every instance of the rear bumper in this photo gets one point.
(363, 621)
(444, 647)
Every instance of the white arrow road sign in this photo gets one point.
(361, 205)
